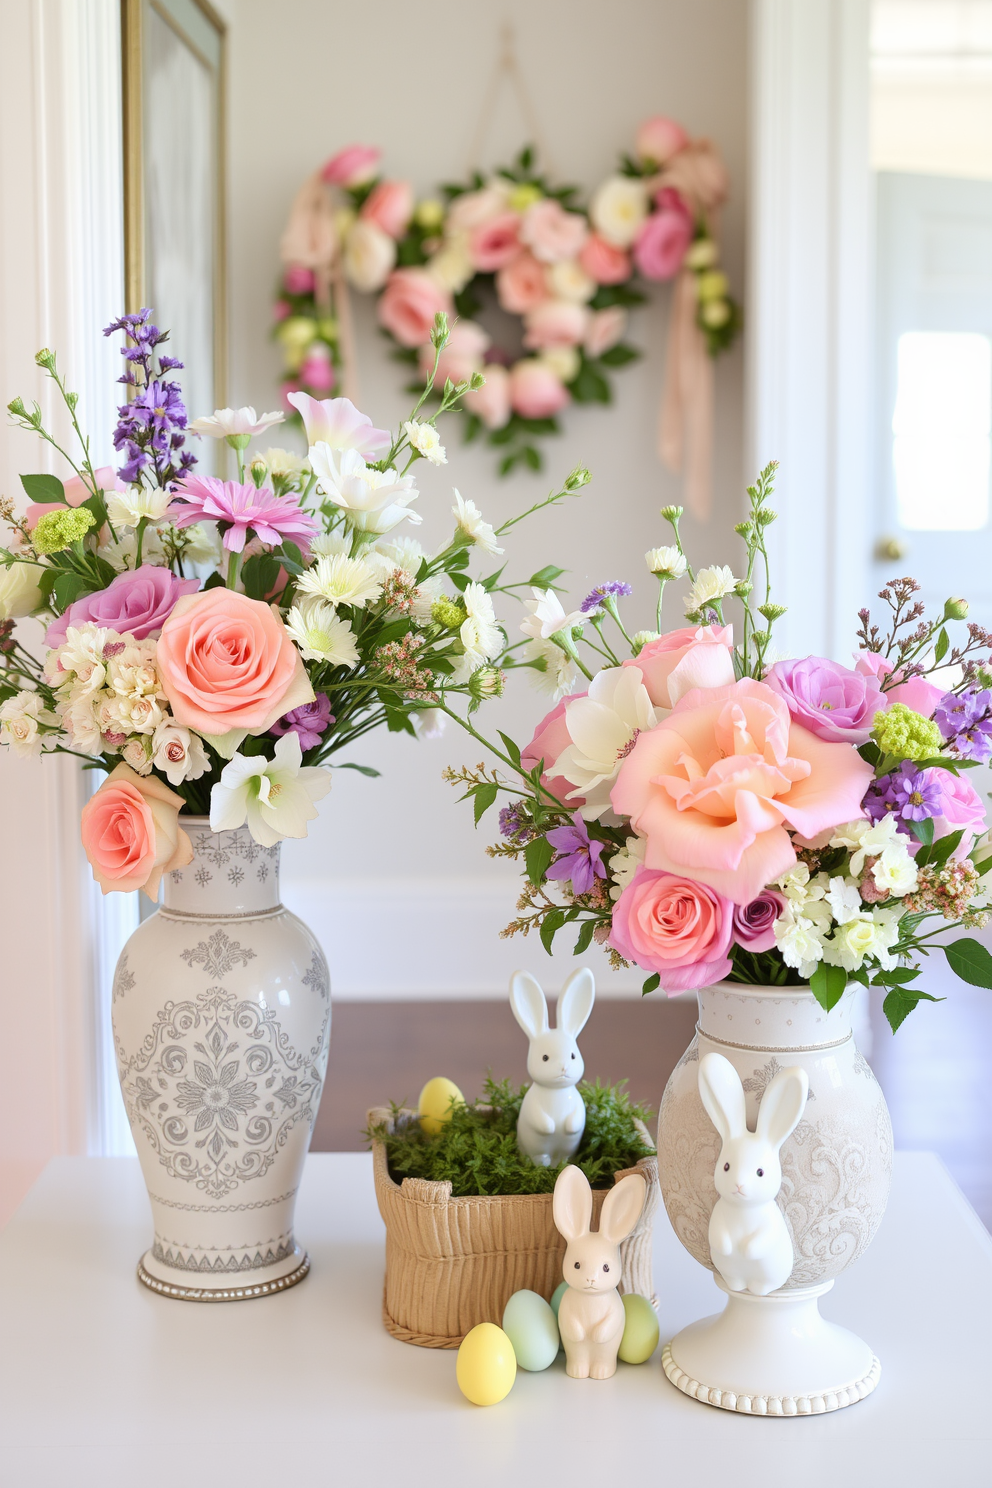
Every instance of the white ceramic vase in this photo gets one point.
(222, 1016)
(775, 1355)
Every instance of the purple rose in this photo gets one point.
(309, 721)
(136, 603)
(833, 702)
(754, 922)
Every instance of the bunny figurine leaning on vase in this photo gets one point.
(553, 1116)
(591, 1315)
(749, 1241)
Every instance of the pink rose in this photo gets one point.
(491, 402)
(754, 923)
(521, 285)
(297, 280)
(389, 206)
(472, 208)
(550, 737)
(352, 166)
(535, 391)
(317, 371)
(716, 786)
(228, 663)
(493, 244)
(280, 310)
(605, 329)
(552, 233)
(467, 345)
(695, 656)
(409, 303)
(663, 240)
(658, 139)
(555, 323)
(698, 173)
(137, 603)
(603, 262)
(669, 924)
(961, 808)
(76, 492)
(131, 833)
(287, 390)
(917, 693)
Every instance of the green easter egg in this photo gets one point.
(557, 1295)
(640, 1329)
(531, 1327)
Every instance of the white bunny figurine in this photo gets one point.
(591, 1315)
(553, 1116)
(749, 1241)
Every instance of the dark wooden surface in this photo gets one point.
(934, 1072)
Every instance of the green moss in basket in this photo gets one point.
(476, 1150)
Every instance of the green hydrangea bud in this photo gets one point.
(641, 638)
(476, 381)
(761, 637)
(743, 529)
(58, 530)
(447, 613)
(905, 734)
(439, 330)
(487, 682)
(579, 477)
(45, 358)
(742, 588)
(764, 515)
(772, 611)
(672, 513)
(258, 470)
(956, 609)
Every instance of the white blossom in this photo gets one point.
(602, 726)
(625, 863)
(178, 753)
(666, 562)
(321, 634)
(425, 439)
(21, 718)
(479, 633)
(559, 673)
(710, 585)
(798, 941)
(470, 521)
(275, 797)
(547, 616)
(340, 581)
(137, 504)
(371, 500)
(224, 422)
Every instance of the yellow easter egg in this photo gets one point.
(434, 1105)
(486, 1366)
(640, 1329)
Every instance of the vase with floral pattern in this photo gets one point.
(836, 1170)
(222, 1016)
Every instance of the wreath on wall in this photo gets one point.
(539, 287)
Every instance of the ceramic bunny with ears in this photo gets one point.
(591, 1315)
(749, 1240)
(552, 1117)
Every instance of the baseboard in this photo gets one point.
(434, 939)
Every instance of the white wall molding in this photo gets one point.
(809, 325)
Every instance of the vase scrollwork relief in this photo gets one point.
(222, 1012)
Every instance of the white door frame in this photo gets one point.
(809, 309)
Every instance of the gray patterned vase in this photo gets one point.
(222, 1017)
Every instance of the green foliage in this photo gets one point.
(969, 960)
(43, 488)
(828, 984)
(476, 1150)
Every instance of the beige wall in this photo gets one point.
(309, 76)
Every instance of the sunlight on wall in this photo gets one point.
(941, 425)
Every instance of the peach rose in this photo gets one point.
(467, 344)
(555, 323)
(681, 929)
(695, 656)
(603, 262)
(521, 285)
(228, 664)
(491, 402)
(658, 139)
(131, 833)
(409, 304)
(605, 329)
(716, 786)
(390, 206)
(552, 233)
(535, 391)
(492, 244)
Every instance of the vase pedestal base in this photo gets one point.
(771, 1356)
(239, 1286)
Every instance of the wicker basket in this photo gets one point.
(455, 1262)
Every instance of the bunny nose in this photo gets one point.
(741, 1191)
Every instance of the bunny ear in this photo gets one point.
(529, 1005)
(722, 1095)
(572, 1203)
(782, 1105)
(622, 1208)
(575, 1002)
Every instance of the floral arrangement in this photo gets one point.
(515, 242)
(211, 644)
(706, 811)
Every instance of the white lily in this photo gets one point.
(470, 521)
(603, 726)
(224, 422)
(371, 500)
(275, 797)
(547, 616)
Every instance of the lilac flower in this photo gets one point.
(910, 794)
(579, 857)
(150, 428)
(603, 594)
(513, 822)
(308, 722)
(965, 720)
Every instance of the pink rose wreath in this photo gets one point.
(541, 287)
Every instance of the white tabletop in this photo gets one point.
(103, 1384)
